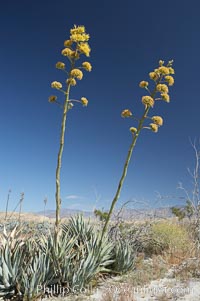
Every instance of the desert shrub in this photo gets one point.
(102, 215)
(189, 268)
(169, 238)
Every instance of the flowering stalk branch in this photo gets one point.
(157, 121)
(76, 46)
(59, 159)
(125, 169)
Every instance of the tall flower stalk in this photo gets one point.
(162, 78)
(75, 47)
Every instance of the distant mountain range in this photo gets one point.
(65, 213)
(126, 214)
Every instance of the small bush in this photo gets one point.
(170, 238)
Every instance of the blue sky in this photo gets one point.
(128, 39)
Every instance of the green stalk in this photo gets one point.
(59, 159)
(124, 173)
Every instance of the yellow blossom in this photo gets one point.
(161, 63)
(133, 130)
(84, 101)
(157, 120)
(84, 48)
(143, 84)
(52, 98)
(154, 127)
(148, 101)
(153, 75)
(71, 81)
(77, 73)
(67, 52)
(87, 66)
(126, 113)
(56, 85)
(78, 34)
(165, 97)
(79, 37)
(171, 70)
(170, 80)
(77, 29)
(162, 88)
(68, 43)
(163, 70)
(60, 65)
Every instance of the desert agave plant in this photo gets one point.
(124, 257)
(90, 237)
(23, 267)
(79, 227)
(92, 256)
(60, 249)
(91, 259)
(11, 261)
(72, 257)
(37, 274)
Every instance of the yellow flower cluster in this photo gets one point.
(154, 127)
(84, 101)
(161, 75)
(77, 73)
(133, 130)
(68, 43)
(165, 97)
(171, 70)
(76, 45)
(77, 37)
(60, 65)
(80, 37)
(163, 70)
(77, 30)
(148, 101)
(87, 66)
(143, 84)
(56, 85)
(84, 48)
(157, 120)
(67, 52)
(52, 98)
(162, 88)
(71, 81)
(154, 76)
(170, 80)
(126, 113)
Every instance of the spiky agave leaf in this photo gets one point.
(61, 251)
(102, 250)
(124, 257)
(36, 276)
(11, 262)
(77, 226)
